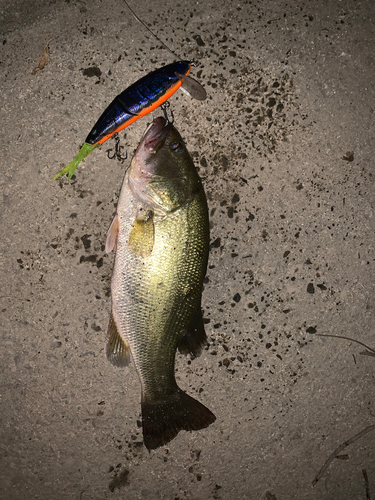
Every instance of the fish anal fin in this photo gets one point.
(112, 234)
(116, 349)
(162, 421)
(192, 340)
(142, 235)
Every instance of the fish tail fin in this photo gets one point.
(162, 421)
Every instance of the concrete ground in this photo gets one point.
(285, 147)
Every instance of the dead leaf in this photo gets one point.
(44, 58)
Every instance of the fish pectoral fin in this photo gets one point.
(112, 234)
(116, 349)
(192, 340)
(142, 235)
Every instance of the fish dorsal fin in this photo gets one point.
(112, 234)
(116, 349)
(142, 234)
(192, 340)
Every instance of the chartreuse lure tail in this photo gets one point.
(83, 152)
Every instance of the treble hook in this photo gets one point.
(164, 108)
(117, 153)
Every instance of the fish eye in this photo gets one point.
(175, 146)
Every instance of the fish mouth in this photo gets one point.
(155, 134)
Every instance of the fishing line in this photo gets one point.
(152, 33)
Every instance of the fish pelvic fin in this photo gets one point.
(112, 234)
(162, 421)
(116, 349)
(192, 340)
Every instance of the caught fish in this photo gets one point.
(142, 97)
(160, 235)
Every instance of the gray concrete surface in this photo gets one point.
(285, 147)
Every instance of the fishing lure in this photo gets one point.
(142, 97)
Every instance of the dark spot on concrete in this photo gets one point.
(321, 286)
(224, 162)
(119, 481)
(92, 71)
(237, 297)
(310, 288)
(286, 253)
(271, 102)
(86, 241)
(216, 243)
(311, 329)
(203, 162)
(90, 258)
(349, 156)
(199, 40)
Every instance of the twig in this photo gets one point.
(15, 298)
(347, 338)
(339, 449)
(364, 472)
(367, 353)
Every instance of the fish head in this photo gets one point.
(162, 173)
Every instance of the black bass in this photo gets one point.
(160, 235)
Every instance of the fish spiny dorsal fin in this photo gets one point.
(142, 234)
(116, 349)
